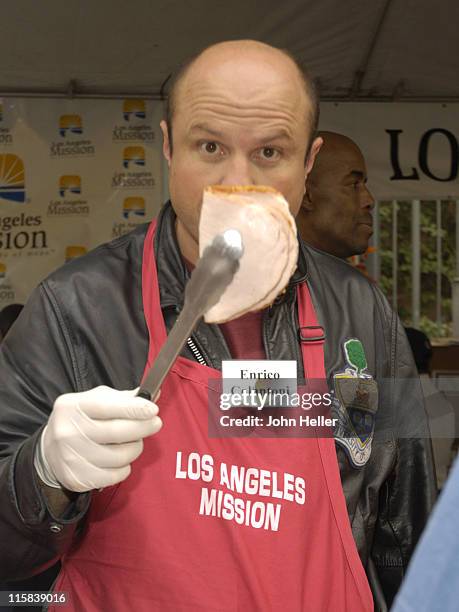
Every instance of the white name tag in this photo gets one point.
(251, 380)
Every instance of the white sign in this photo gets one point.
(73, 174)
(411, 150)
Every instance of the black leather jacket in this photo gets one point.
(84, 326)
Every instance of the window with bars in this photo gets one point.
(415, 261)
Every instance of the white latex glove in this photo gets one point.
(91, 438)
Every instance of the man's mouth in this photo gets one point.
(367, 222)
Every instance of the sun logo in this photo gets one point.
(134, 108)
(69, 183)
(133, 155)
(72, 252)
(12, 178)
(133, 206)
(70, 123)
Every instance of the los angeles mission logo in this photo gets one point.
(7, 293)
(355, 404)
(135, 125)
(6, 138)
(72, 142)
(133, 160)
(133, 207)
(70, 202)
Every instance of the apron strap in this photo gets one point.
(150, 296)
(311, 335)
(312, 338)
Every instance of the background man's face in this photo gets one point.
(240, 124)
(341, 222)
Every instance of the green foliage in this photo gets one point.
(428, 262)
(432, 329)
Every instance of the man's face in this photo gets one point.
(340, 221)
(239, 124)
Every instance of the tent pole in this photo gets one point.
(416, 262)
(394, 255)
(439, 263)
(71, 93)
(359, 74)
(377, 98)
(456, 281)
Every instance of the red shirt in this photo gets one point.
(244, 336)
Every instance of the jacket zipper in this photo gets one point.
(190, 342)
(194, 349)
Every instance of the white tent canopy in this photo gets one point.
(359, 51)
(382, 49)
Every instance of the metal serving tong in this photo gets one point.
(213, 273)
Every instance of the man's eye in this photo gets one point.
(209, 147)
(269, 153)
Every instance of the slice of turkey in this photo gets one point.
(268, 231)
(292, 243)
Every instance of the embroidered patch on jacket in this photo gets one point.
(355, 404)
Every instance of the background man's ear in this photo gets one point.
(166, 143)
(307, 203)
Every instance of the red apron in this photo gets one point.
(227, 524)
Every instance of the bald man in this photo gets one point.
(335, 215)
(146, 516)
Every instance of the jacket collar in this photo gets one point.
(172, 273)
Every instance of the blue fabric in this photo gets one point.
(432, 580)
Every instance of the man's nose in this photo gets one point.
(238, 171)
(368, 200)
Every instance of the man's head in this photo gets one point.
(421, 348)
(336, 212)
(241, 113)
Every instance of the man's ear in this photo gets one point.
(315, 148)
(307, 203)
(166, 142)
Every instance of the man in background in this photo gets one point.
(431, 582)
(8, 316)
(335, 215)
(440, 411)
